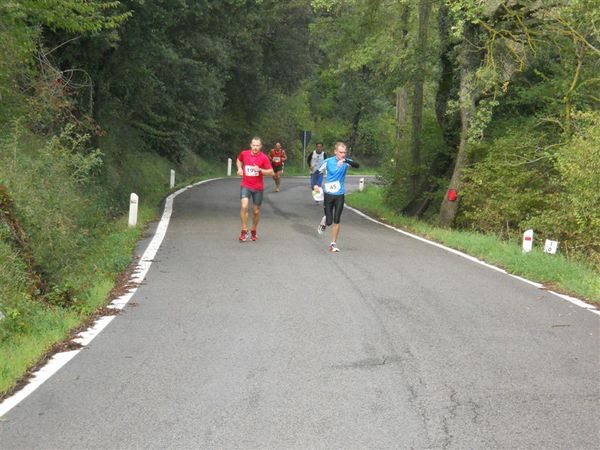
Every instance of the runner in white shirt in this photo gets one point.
(314, 161)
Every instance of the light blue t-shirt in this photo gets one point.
(334, 184)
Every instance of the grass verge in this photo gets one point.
(554, 271)
(35, 329)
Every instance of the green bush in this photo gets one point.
(510, 184)
(573, 214)
(528, 178)
(397, 166)
(46, 181)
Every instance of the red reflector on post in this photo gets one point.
(528, 238)
(452, 195)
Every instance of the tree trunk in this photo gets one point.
(365, 74)
(417, 100)
(401, 110)
(469, 60)
(354, 133)
(446, 84)
(401, 94)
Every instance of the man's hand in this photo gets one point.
(240, 172)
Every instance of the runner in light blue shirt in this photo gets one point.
(336, 168)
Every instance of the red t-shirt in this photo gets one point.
(277, 156)
(251, 178)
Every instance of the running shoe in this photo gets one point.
(322, 226)
(253, 235)
(333, 247)
(243, 236)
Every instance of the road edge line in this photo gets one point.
(568, 298)
(58, 360)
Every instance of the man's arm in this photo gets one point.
(265, 168)
(308, 160)
(268, 172)
(238, 163)
(352, 163)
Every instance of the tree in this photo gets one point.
(469, 60)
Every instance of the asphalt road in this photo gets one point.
(391, 343)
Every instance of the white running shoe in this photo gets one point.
(322, 226)
(333, 247)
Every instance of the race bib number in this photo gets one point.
(251, 171)
(276, 159)
(333, 187)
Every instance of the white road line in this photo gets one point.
(568, 298)
(57, 361)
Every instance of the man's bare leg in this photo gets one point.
(255, 216)
(244, 213)
(335, 229)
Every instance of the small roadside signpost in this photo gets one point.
(305, 138)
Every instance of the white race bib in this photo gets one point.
(332, 187)
(276, 159)
(251, 171)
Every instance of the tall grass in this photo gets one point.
(555, 271)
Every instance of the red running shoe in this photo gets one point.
(253, 235)
(243, 236)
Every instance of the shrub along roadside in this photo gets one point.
(31, 330)
(33, 327)
(554, 271)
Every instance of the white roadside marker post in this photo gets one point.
(172, 183)
(361, 184)
(550, 246)
(228, 167)
(527, 241)
(133, 209)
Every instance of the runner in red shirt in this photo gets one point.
(252, 165)
(277, 157)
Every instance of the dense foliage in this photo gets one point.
(496, 100)
(99, 98)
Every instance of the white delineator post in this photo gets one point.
(361, 184)
(172, 183)
(228, 167)
(527, 241)
(133, 209)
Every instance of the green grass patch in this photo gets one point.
(45, 327)
(555, 271)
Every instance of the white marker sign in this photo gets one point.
(550, 246)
